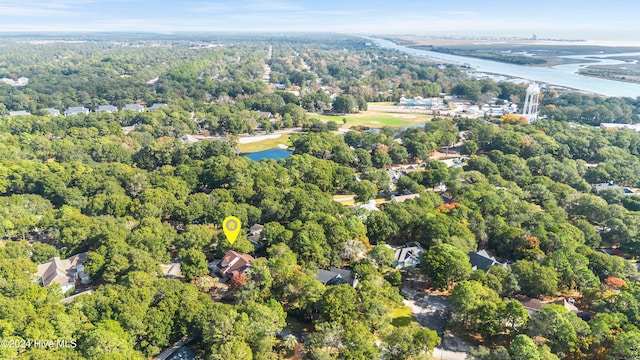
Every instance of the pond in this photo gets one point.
(275, 154)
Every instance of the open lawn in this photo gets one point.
(401, 316)
(346, 200)
(385, 114)
(265, 144)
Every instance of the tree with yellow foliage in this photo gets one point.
(512, 119)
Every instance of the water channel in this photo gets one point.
(562, 75)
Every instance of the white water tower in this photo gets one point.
(531, 102)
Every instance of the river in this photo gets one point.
(562, 75)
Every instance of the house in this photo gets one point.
(156, 106)
(52, 111)
(107, 108)
(63, 272)
(233, 263)
(370, 206)
(418, 101)
(172, 270)
(532, 306)
(22, 81)
(335, 276)
(393, 176)
(8, 81)
(612, 126)
(75, 110)
(18, 113)
(265, 115)
(280, 86)
(407, 256)
(127, 129)
(254, 233)
(403, 198)
(499, 109)
(134, 107)
(454, 162)
(481, 260)
(364, 209)
(568, 304)
(597, 188)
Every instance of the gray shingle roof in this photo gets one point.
(106, 108)
(335, 276)
(134, 107)
(156, 106)
(481, 260)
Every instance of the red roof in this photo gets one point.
(234, 263)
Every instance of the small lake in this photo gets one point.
(275, 154)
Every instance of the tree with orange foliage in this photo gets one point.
(512, 119)
(532, 242)
(447, 207)
(614, 282)
(237, 280)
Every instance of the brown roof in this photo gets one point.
(531, 304)
(256, 228)
(234, 263)
(60, 271)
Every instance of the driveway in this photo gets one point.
(429, 310)
(433, 311)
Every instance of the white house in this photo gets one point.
(156, 106)
(134, 107)
(22, 81)
(52, 111)
(107, 108)
(611, 126)
(18, 113)
(8, 81)
(75, 110)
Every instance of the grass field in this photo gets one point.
(378, 118)
(265, 144)
(347, 200)
(401, 316)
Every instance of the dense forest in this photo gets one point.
(143, 199)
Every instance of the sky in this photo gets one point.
(567, 19)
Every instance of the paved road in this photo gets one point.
(439, 354)
(168, 352)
